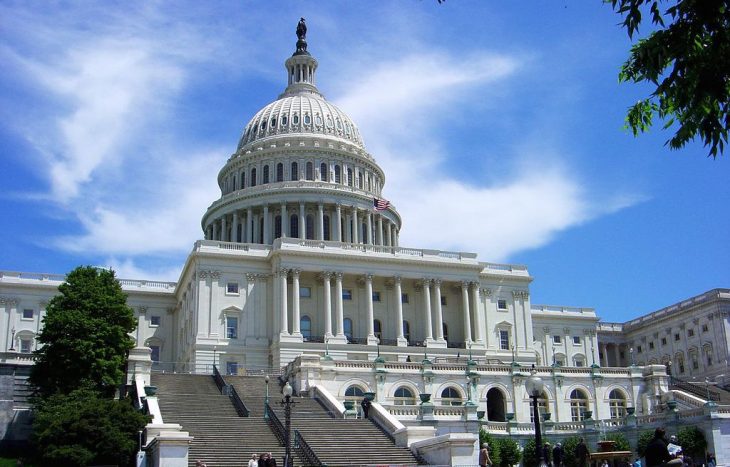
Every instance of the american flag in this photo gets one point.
(381, 204)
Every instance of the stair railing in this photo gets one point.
(305, 451)
(276, 426)
(237, 402)
(699, 391)
(218, 379)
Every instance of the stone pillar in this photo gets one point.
(339, 321)
(379, 239)
(224, 229)
(256, 228)
(439, 310)
(234, 227)
(302, 223)
(320, 222)
(369, 233)
(369, 300)
(249, 225)
(266, 233)
(478, 334)
(426, 283)
(354, 225)
(338, 223)
(617, 352)
(327, 304)
(465, 310)
(295, 318)
(284, 220)
(388, 238)
(399, 310)
(283, 302)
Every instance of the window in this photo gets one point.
(557, 340)
(25, 345)
(579, 362)
(445, 328)
(266, 174)
(378, 328)
(504, 339)
(404, 396)
(404, 298)
(695, 362)
(294, 171)
(155, 320)
(406, 330)
(309, 227)
(338, 174)
(28, 313)
(690, 332)
(501, 304)
(704, 328)
(347, 327)
(347, 294)
(307, 119)
(231, 368)
(295, 119)
(279, 172)
(578, 405)
(326, 227)
(277, 227)
(155, 353)
(305, 327)
(708, 356)
(651, 345)
(354, 393)
(231, 327)
(450, 396)
(376, 296)
(252, 179)
(294, 226)
(443, 300)
(664, 341)
(617, 404)
(542, 407)
(676, 337)
(232, 288)
(305, 292)
(323, 172)
(284, 120)
(576, 340)
(309, 171)
(349, 177)
(639, 349)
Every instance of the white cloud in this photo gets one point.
(128, 269)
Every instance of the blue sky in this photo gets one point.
(499, 126)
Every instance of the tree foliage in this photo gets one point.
(85, 336)
(686, 59)
(82, 428)
(622, 443)
(644, 439)
(569, 457)
(529, 454)
(693, 442)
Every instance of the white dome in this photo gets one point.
(304, 113)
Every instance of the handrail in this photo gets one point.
(305, 451)
(276, 425)
(694, 389)
(237, 402)
(218, 379)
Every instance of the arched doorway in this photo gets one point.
(496, 406)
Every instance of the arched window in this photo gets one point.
(307, 119)
(450, 396)
(542, 407)
(378, 328)
(310, 171)
(338, 174)
(234, 183)
(295, 119)
(323, 172)
(279, 172)
(407, 330)
(446, 331)
(310, 227)
(294, 226)
(253, 177)
(294, 171)
(266, 174)
(349, 177)
(347, 327)
(359, 180)
(243, 179)
(403, 396)
(305, 326)
(354, 393)
(277, 227)
(496, 405)
(617, 403)
(261, 230)
(326, 227)
(578, 405)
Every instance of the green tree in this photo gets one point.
(82, 428)
(85, 336)
(493, 443)
(509, 452)
(686, 60)
(622, 444)
(569, 457)
(529, 454)
(644, 439)
(693, 442)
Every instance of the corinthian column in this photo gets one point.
(295, 303)
(283, 302)
(354, 225)
(465, 310)
(439, 310)
(399, 310)
(302, 223)
(338, 223)
(478, 314)
(339, 322)
(320, 222)
(369, 300)
(327, 304)
(426, 283)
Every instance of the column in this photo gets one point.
(439, 310)
(327, 304)
(354, 225)
(249, 225)
(284, 313)
(617, 353)
(369, 302)
(426, 283)
(369, 234)
(234, 227)
(320, 222)
(295, 302)
(339, 321)
(379, 239)
(388, 237)
(302, 223)
(267, 226)
(224, 229)
(338, 223)
(478, 335)
(215, 230)
(465, 310)
(284, 220)
(256, 228)
(399, 306)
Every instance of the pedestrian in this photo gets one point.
(657, 453)
(365, 407)
(484, 459)
(546, 453)
(270, 461)
(581, 452)
(711, 460)
(199, 463)
(262, 459)
(558, 455)
(254, 462)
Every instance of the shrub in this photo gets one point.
(693, 442)
(509, 452)
(569, 458)
(644, 439)
(493, 443)
(529, 455)
(622, 444)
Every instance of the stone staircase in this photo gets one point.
(221, 437)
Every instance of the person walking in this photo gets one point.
(254, 461)
(581, 452)
(558, 455)
(546, 454)
(657, 453)
(365, 404)
(484, 459)
(270, 460)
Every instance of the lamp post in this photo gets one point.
(12, 341)
(140, 440)
(631, 352)
(534, 386)
(287, 392)
(215, 349)
(266, 400)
